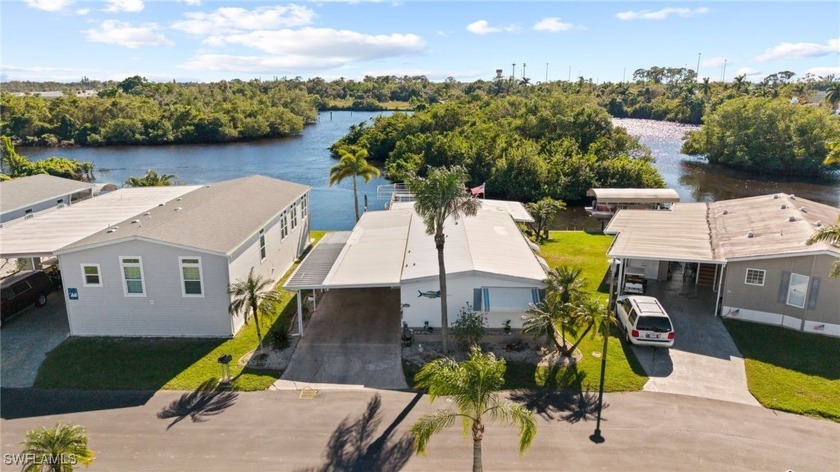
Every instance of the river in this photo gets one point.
(305, 159)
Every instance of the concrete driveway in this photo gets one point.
(704, 361)
(353, 338)
(26, 339)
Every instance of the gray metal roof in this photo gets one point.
(776, 225)
(23, 192)
(48, 231)
(215, 218)
(634, 195)
(312, 272)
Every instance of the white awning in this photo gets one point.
(634, 195)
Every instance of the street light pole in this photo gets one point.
(596, 436)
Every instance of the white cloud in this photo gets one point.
(128, 6)
(344, 45)
(125, 34)
(307, 48)
(800, 50)
(49, 5)
(233, 19)
(82, 11)
(483, 27)
(43, 73)
(193, 3)
(823, 71)
(552, 24)
(662, 14)
(714, 62)
(750, 73)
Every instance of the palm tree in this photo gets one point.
(830, 235)
(588, 311)
(740, 81)
(567, 288)
(706, 87)
(541, 321)
(353, 163)
(543, 212)
(57, 449)
(472, 386)
(256, 294)
(832, 95)
(441, 195)
(151, 179)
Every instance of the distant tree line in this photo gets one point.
(136, 111)
(548, 144)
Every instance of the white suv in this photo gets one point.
(644, 321)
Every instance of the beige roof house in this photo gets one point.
(26, 191)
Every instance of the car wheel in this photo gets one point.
(41, 301)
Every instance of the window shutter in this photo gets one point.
(486, 294)
(813, 293)
(783, 287)
(535, 295)
(477, 299)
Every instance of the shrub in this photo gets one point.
(469, 328)
(280, 339)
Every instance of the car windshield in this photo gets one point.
(658, 324)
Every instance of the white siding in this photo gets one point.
(36, 208)
(280, 253)
(460, 293)
(163, 311)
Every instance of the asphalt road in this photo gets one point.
(366, 430)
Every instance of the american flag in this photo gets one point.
(477, 190)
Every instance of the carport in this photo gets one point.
(353, 335)
(663, 246)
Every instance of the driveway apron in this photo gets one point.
(704, 361)
(26, 339)
(353, 338)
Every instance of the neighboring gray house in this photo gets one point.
(166, 272)
(24, 196)
(751, 251)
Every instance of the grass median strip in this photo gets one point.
(172, 363)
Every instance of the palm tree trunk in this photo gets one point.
(355, 198)
(556, 342)
(257, 323)
(478, 434)
(563, 350)
(440, 240)
(585, 332)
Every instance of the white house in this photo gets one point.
(490, 265)
(25, 196)
(166, 271)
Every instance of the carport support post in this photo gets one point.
(718, 295)
(300, 314)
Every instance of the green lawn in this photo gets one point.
(788, 370)
(624, 373)
(152, 364)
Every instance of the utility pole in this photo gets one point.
(546, 72)
(723, 75)
(697, 71)
(570, 73)
(513, 71)
(624, 75)
(523, 70)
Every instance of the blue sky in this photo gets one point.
(209, 40)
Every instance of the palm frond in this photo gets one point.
(430, 424)
(512, 413)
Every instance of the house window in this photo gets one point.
(284, 225)
(755, 277)
(294, 216)
(191, 277)
(90, 275)
(132, 273)
(262, 244)
(797, 290)
(303, 208)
